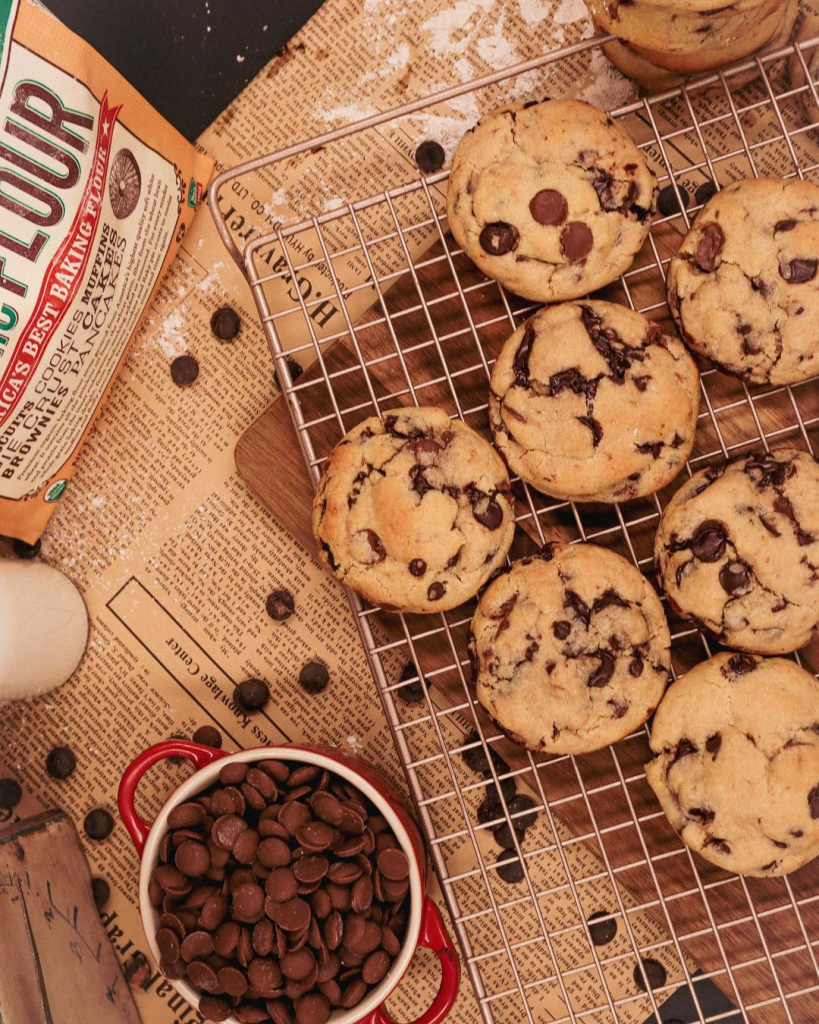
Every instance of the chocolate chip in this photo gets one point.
(10, 793)
(225, 323)
(813, 802)
(561, 629)
(435, 591)
(499, 238)
(208, 736)
(280, 605)
(98, 824)
(708, 541)
(712, 745)
(184, 370)
(417, 567)
(101, 891)
(549, 207)
(412, 692)
(649, 973)
(519, 803)
(710, 246)
(576, 240)
(510, 868)
(734, 576)
(312, 1008)
(602, 932)
(314, 677)
(295, 368)
(61, 762)
(609, 598)
(251, 695)
(703, 814)
(784, 225)
(798, 271)
(668, 203)
(652, 448)
(214, 1009)
(704, 192)
(430, 156)
(604, 671)
(377, 552)
(27, 551)
(578, 605)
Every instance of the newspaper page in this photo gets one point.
(175, 557)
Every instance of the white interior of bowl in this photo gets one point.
(203, 778)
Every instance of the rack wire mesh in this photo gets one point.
(600, 911)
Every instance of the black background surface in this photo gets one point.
(164, 48)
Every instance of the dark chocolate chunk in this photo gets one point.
(208, 736)
(412, 692)
(649, 973)
(704, 815)
(10, 793)
(511, 868)
(549, 207)
(184, 370)
(603, 185)
(813, 802)
(490, 809)
(561, 629)
(251, 695)
(784, 225)
(710, 246)
(499, 238)
(225, 323)
(608, 599)
(574, 380)
(98, 824)
(740, 664)
(604, 671)
(798, 271)
(61, 762)
(520, 364)
(314, 677)
(485, 509)
(101, 891)
(635, 666)
(683, 749)
(594, 426)
(280, 605)
(734, 576)
(377, 550)
(295, 368)
(652, 448)
(430, 156)
(435, 591)
(667, 202)
(705, 191)
(576, 240)
(578, 606)
(417, 567)
(23, 550)
(602, 932)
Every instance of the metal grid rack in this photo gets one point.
(431, 338)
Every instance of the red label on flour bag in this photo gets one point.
(95, 191)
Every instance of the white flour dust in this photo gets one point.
(534, 12)
(608, 88)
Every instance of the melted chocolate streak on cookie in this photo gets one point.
(619, 357)
(710, 540)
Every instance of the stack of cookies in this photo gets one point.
(662, 42)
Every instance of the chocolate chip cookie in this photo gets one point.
(590, 401)
(737, 550)
(570, 649)
(413, 511)
(737, 771)
(743, 286)
(551, 199)
(654, 78)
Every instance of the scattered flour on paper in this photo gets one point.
(454, 21)
(570, 11)
(608, 88)
(170, 338)
(348, 112)
(277, 203)
(534, 12)
(494, 48)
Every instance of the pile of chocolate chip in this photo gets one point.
(284, 894)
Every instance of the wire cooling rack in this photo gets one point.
(609, 912)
